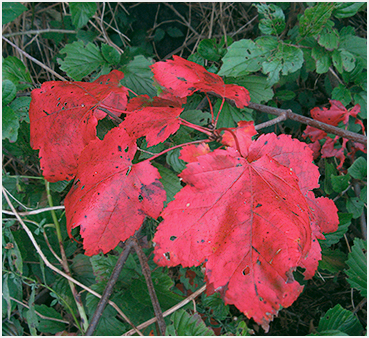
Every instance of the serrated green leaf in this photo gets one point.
(82, 269)
(314, 19)
(172, 159)
(285, 95)
(82, 12)
(329, 333)
(58, 186)
(272, 20)
(332, 260)
(10, 124)
(216, 304)
(355, 206)
(340, 319)
(330, 169)
(170, 182)
(184, 324)
(20, 107)
(31, 316)
(110, 54)
(159, 34)
(346, 9)
(242, 57)
(357, 263)
(210, 50)
(355, 45)
(322, 59)
(109, 326)
(15, 71)
(11, 10)
(229, 116)
(9, 92)
(81, 60)
(46, 325)
(138, 76)
(329, 38)
(334, 237)
(340, 183)
(342, 94)
(257, 86)
(358, 169)
(361, 99)
(363, 194)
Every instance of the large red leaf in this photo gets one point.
(182, 78)
(155, 118)
(249, 221)
(64, 117)
(111, 196)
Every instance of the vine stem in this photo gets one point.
(310, 122)
(150, 286)
(53, 268)
(109, 287)
(194, 126)
(220, 109)
(234, 136)
(64, 261)
(175, 147)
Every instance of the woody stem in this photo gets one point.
(194, 126)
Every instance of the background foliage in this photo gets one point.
(288, 55)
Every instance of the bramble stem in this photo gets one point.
(220, 109)
(204, 130)
(72, 286)
(234, 136)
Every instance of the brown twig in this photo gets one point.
(310, 122)
(150, 286)
(109, 287)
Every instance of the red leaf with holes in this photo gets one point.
(64, 117)
(183, 78)
(250, 220)
(111, 197)
(155, 118)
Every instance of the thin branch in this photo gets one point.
(38, 313)
(34, 60)
(34, 212)
(310, 122)
(150, 286)
(52, 267)
(40, 31)
(109, 287)
(280, 118)
(170, 311)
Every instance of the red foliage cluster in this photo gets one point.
(332, 147)
(247, 212)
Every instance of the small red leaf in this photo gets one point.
(191, 152)
(183, 78)
(111, 196)
(64, 116)
(155, 118)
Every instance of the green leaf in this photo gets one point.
(314, 19)
(174, 32)
(329, 333)
(81, 60)
(272, 21)
(170, 182)
(110, 54)
(340, 183)
(11, 10)
(285, 95)
(15, 71)
(82, 12)
(138, 76)
(210, 50)
(332, 260)
(31, 316)
(361, 99)
(358, 169)
(82, 269)
(341, 93)
(184, 324)
(215, 302)
(46, 325)
(109, 326)
(159, 34)
(172, 159)
(355, 206)
(357, 263)
(334, 237)
(257, 86)
(329, 38)
(196, 116)
(363, 194)
(229, 116)
(330, 169)
(9, 92)
(340, 319)
(346, 9)
(242, 57)
(58, 186)
(10, 124)
(20, 107)
(355, 45)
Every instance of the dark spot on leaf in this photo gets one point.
(82, 187)
(265, 143)
(246, 271)
(181, 78)
(167, 255)
(85, 216)
(126, 150)
(258, 205)
(119, 148)
(140, 198)
(238, 165)
(161, 132)
(172, 238)
(255, 250)
(202, 241)
(46, 112)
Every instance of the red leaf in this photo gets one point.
(183, 78)
(63, 118)
(155, 118)
(191, 152)
(111, 196)
(249, 220)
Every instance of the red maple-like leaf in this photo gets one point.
(155, 118)
(182, 78)
(64, 116)
(191, 152)
(249, 220)
(111, 197)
